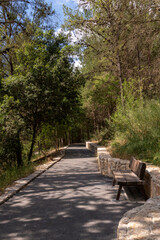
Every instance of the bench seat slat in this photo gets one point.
(126, 178)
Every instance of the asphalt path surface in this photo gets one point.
(70, 201)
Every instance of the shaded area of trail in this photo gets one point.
(70, 201)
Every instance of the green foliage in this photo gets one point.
(99, 98)
(110, 34)
(40, 102)
(10, 125)
(39, 87)
(18, 23)
(9, 175)
(10, 121)
(47, 137)
(43, 91)
(137, 128)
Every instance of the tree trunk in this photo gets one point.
(88, 133)
(19, 151)
(11, 65)
(120, 80)
(94, 120)
(33, 142)
(139, 60)
(65, 138)
(68, 136)
(61, 142)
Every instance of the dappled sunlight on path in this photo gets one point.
(70, 201)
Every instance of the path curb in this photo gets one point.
(23, 182)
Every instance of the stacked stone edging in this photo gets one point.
(152, 181)
(107, 164)
(141, 223)
(92, 146)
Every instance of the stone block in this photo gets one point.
(142, 222)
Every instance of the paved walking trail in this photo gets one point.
(70, 201)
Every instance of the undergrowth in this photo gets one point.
(11, 174)
(137, 129)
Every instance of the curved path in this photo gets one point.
(70, 201)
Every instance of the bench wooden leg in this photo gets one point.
(114, 181)
(119, 192)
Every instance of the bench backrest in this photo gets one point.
(137, 167)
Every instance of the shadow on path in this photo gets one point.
(70, 201)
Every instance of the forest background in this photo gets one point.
(113, 97)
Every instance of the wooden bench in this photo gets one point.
(132, 177)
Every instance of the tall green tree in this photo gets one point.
(119, 37)
(18, 20)
(44, 85)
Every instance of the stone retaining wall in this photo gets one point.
(152, 181)
(107, 165)
(141, 223)
(92, 146)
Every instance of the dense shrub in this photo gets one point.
(137, 130)
(136, 125)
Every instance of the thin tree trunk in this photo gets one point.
(11, 65)
(19, 151)
(68, 135)
(57, 140)
(120, 80)
(33, 142)
(88, 133)
(66, 138)
(139, 59)
(62, 142)
(94, 121)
